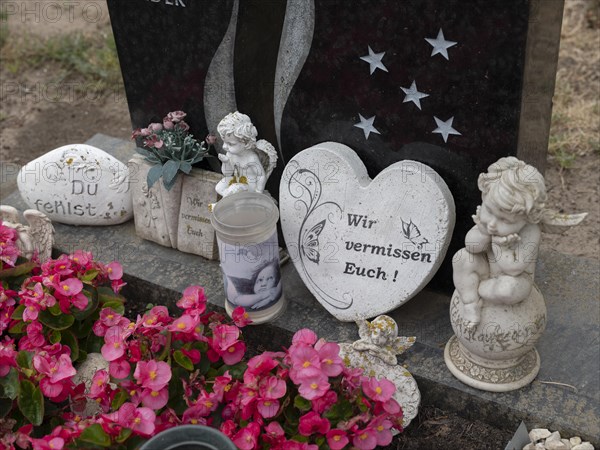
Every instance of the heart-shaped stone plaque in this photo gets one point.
(363, 247)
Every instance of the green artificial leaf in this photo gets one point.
(54, 336)
(92, 295)
(90, 275)
(94, 434)
(154, 174)
(17, 271)
(9, 384)
(82, 328)
(301, 403)
(185, 167)
(31, 402)
(106, 294)
(18, 312)
(169, 173)
(18, 328)
(120, 398)
(183, 360)
(203, 365)
(59, 323)
(25, 359)
(69, 339)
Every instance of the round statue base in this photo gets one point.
(262, 316)
(491, 375)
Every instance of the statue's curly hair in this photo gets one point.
(515, 187)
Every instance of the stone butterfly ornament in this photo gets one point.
(363, 247)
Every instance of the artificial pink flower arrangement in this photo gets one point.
(170, 147)
(164, 370)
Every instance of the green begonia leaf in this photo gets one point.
(95, 435)
(59, 323)
(9, 384)
(31, 402)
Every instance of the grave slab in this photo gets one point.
(565, 396)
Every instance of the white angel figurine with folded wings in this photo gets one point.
(38, 236)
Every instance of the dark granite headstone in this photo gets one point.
(452, 84)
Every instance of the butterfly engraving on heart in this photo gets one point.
(305, 186)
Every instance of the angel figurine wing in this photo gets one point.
(267, 155)
(401, 344)
(556, 223)
(41, 232)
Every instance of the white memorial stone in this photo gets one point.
(195, 232)
(375, 352)
(77, 184)
(363, 247)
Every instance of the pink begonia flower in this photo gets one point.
(311, 423)
(304, 336)
(82, 258)
(168, 124)
(152, 374)
(365, 439)
(119, 368)
(382, 426)
(176, 116)
(378, 390)
(114, 270)
(8, 356)
(295, 445)
(247, 437)
(155, 399)
(240, 317)
(194, 299)
(392, 406)
(56, 369)
(31, 312)
(331, 363)
(337, 439)
(133, 390)
(260, 364)
(114, 345)
(267, 407)
(304, 360)
(140, 420)
(184, 324)
(234, 353)
(48, 443)
(98, 384)
(60, 266)
(224, 336)
(272, 387)
(314, 385)
(320, 405)
(156, 317)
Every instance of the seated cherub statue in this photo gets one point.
(247, 163)
(498, 262)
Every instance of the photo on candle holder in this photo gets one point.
(251, 274)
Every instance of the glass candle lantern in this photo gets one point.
(246, 226)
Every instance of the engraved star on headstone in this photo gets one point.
(374, 60)
(445, 128)
(367, 125)
(413, 94)
(440, 45)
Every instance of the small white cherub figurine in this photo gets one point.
(380, 338)
(37, 237)
(498, 262)
(248, 163)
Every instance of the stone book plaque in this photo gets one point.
(455, 85)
